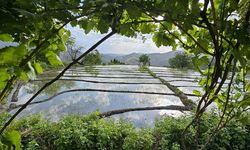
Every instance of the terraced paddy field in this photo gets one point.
(106, 88)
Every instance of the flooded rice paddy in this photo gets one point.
(106, 88)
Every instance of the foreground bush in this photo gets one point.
(91, 132)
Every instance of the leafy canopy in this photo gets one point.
(93, 58)
(181, 60)
(144, 60)
(115, 62)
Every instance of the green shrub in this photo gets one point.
(10, 139)
(181, 60)
(141, 140)
(3, 118)
(91, 132)
(168, 131)
(73, 132)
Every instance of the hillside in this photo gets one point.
(156, 59)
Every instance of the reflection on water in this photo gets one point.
(33, 87)
(91, 70)
(84, 102)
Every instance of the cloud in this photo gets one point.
(117, 44)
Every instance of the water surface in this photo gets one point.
(85, 102)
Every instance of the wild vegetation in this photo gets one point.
(215, 32)
(73, 50)
(181, 60)
(144, 60)
(115, 62)
(93, 132)
(93, 58)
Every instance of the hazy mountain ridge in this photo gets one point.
(156, 59)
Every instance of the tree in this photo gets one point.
(73, 51)
(181, 60)
(144, 60)
(93, 58)
(115, 62)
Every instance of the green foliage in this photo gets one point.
(11, 140)
(74, 132)
(181, 60)
(31, 88)
(144, 60)
(91, 132)
(115, 62)
(3, 118)
(53, 59)
(168, 133)
(6, 37)
(91, 70)
(93, 58)
(162, 39)
(73, 51)
(197, 93)
(139, 140)
(39, 28)
(217, 36)
(4, 77)
(37, 35)
(38, 68)
(11, 56)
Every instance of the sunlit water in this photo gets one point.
(85, 102)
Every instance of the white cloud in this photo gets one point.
(117, 44)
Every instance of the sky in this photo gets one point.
(116, 44)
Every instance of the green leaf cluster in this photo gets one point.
(181, 60)
(115, 62)
(144, 60)
(93, 58)
(11, 140)
(92, 132)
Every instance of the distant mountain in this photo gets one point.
(156, 59)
